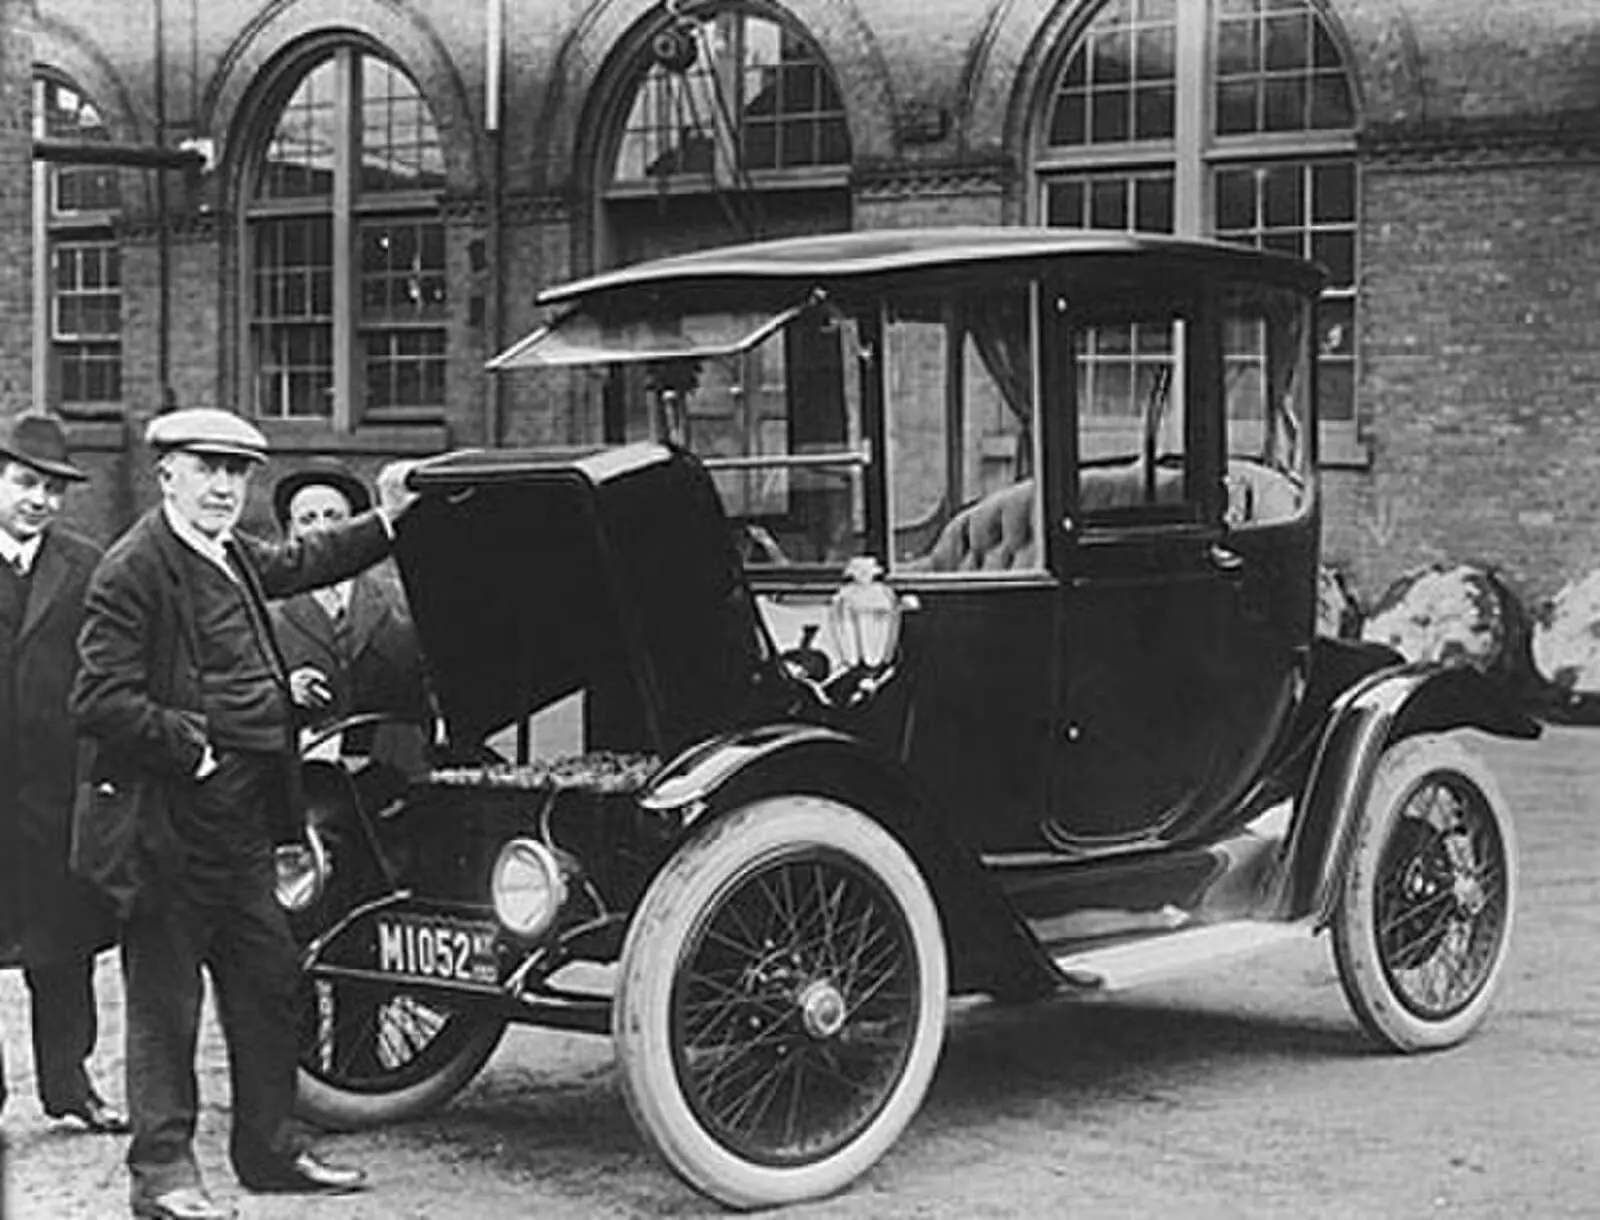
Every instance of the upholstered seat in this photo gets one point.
(993, 535)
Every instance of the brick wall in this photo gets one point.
(1481, 371)
(16, 209)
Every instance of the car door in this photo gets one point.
(1160, 705)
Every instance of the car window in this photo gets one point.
(1266, 380)
(961, 428)
(779, 425)
(1131, 395)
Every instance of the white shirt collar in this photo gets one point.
(214, 549)
(334, 598)
(20, 554)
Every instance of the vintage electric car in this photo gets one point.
(937, 620)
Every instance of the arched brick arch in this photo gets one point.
(64, 49)
(1021, 47)
(582, 89)
(67, 50)
(232, 96)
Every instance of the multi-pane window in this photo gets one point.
(79, 264)
(726, 95)
(1233, 119)
(1304, 208)
(349, 299)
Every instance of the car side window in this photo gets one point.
(961, 416)
(1266, 383)
(1133, 463)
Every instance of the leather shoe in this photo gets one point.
(97, 1117)
(305, 1174)
(185, 1203)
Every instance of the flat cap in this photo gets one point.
(206, 430)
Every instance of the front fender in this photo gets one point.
(990, 948)
(1372, 715)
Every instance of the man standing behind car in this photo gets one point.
(183, 689)
(351, 648)
(54, 920)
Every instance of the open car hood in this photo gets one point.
(533, 575)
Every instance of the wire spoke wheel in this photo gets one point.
(781, 1002)
(1424, 922)
(795, 1010)
(1441, 897)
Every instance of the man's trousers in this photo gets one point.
(223, 916)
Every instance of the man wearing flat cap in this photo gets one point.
(50, 921)
(184, 691)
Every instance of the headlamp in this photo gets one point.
(528, 886)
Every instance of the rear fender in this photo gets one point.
(1377, 712)
(990, 949)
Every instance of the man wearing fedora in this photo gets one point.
(184, 690)
(49, 920)
(350, 648)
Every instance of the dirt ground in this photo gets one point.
(1249, 1092)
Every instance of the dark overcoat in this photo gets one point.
(137, 697)
(48, 915)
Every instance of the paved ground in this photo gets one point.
(1249, 1093)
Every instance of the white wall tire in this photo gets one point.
(731, 993)
(1423, 922)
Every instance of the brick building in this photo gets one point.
(389, 183)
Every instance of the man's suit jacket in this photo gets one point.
(137, 698)
(53, 916)
(373, 664)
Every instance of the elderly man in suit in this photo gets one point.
(351, 647)
(184, 690)
(50, 920)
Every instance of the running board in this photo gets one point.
(1118, 967)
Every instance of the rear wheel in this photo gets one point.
(782, 1002)
(1424, 921)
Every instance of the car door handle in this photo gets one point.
(1225, 561)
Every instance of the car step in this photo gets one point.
(1130, 963)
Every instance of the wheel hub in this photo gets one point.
(822, 1009)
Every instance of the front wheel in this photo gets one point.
(371, 1054)
(1423, 924)
(781, 1004)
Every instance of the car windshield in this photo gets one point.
(783, 423)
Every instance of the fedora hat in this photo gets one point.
(323, 472)
(37, 440)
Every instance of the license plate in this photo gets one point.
(437, 948)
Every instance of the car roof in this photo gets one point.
(889, 253)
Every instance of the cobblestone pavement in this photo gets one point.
(1246, 1093)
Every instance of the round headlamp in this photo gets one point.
(528, 887)
(301, 872)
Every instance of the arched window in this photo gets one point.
(345, 250)
(732, 126)
(1234, 119)
(78, 263)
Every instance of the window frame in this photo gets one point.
(348, 210)
(1195, 156)
(56, 229)
(723, 176)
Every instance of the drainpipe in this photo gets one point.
(163, 237)
(494, 311)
